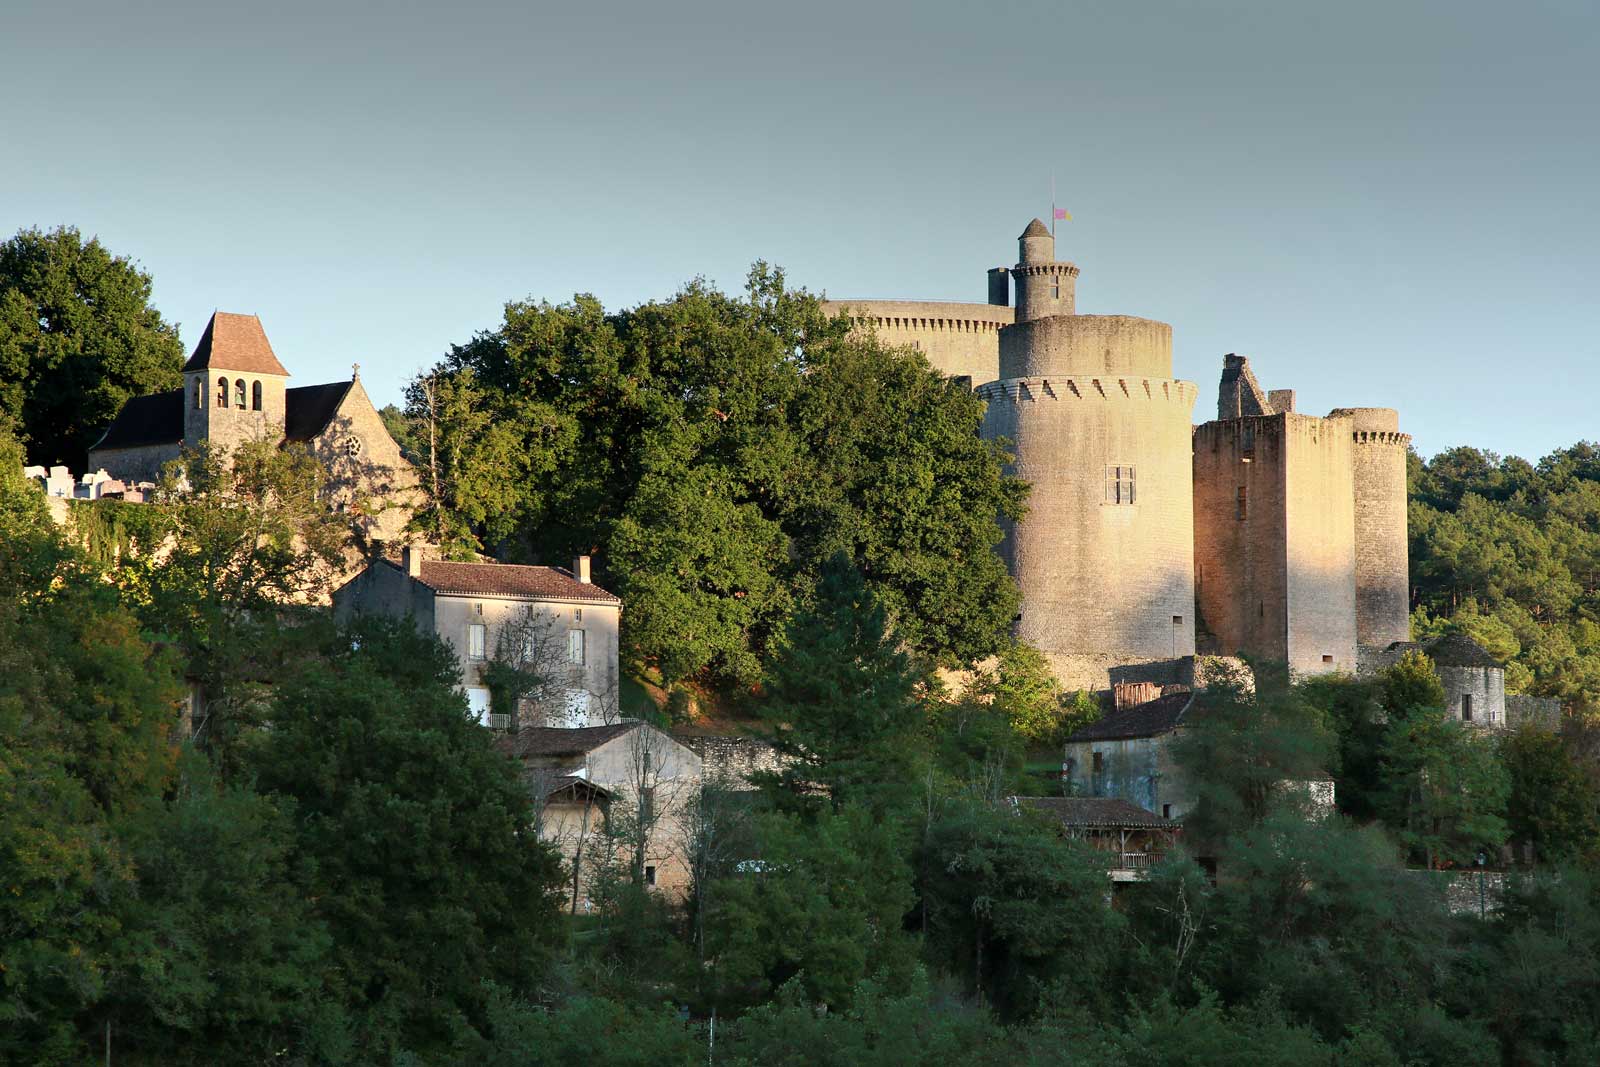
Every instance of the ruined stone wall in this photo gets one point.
(1383, 585)
(1321, 542)
(1240, 559)
(142, 464)
(1278, 580)
(1103, 582)
(959, 340)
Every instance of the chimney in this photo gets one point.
(580, 569)
(411, 556)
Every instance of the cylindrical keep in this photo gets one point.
(1105, 555)
(1086, 345)
(999, 287)
(1383, 593)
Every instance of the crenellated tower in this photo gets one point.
(1100, 429)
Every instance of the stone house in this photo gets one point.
(235, 390)
(553, 623)
(612, 794)
(1474, 681)
(1127, 756)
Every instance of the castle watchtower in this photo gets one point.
(233, 385)
(1044, 286)
(1100, 429)
(1383, 580)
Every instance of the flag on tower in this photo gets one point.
(1062, 213)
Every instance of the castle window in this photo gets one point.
(238, 394)
(1243, 505)
(1247, 444)
(1327, 659)
(222, 392)
(199, 393)
(1466, 707)
(1119, 485)
(255, 397)
(1055, 289)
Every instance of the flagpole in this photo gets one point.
(1052, 207)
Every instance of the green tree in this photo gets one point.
(78, 339)
(1247, 750)
(411, 830)
(1552, 802)
(823, 904)
(1014, 907)
(842, 703)
(715, 452)
(1447, 788)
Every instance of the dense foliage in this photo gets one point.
(715, 453)
(1509, 552)
(78, 338)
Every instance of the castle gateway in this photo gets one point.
(1148, 539)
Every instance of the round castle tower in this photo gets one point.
(1101, 430)
(1383, 590)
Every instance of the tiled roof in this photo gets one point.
(565, 741)
(509, 579)
(1459, 650)
(1157, 716)
(235, 342)
(309, 408)
(1094, 811)
(156, 419)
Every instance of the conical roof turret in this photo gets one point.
(1036, 228)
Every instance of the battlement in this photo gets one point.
(1019, 390)
(1033, 270)
(1381, 437)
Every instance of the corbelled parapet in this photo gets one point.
(1383, 577)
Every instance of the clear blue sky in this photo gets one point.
(1381, 203)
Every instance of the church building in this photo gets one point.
(235, 390)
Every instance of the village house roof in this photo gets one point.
(577, 784)
(157, 419)
(507, 580)
(1094, 812)
(566, 741)
(237, 343)
(1153, 717)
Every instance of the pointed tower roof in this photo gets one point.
(235, 342)
(1036, 228)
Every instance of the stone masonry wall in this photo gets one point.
(959, 340)
(1321, 540)
(141, 464)
(1383, 586)
(1240, 561)
(1102, 582)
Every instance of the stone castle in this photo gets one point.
(1149, 540)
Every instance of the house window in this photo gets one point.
(649, 876)
(238, 394)
(255, 397)
(478, 704)
(222, 392)
(1166, 811)
(1466, 707)
(199, 393)
(575, 647)
(577, 614)
(1119, 485)
(1099, 763)
(477, 637)
(1243, 505)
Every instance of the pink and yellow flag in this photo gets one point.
(1062, 213)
